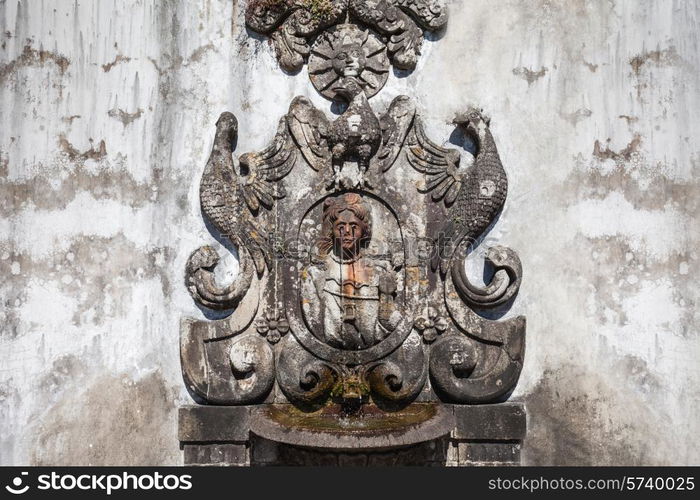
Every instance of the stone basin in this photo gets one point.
(371, 428)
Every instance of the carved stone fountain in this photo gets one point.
(355, 336)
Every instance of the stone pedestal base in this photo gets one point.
(481, 435)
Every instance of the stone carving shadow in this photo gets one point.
(431, 453)
(487, 275)
(401, 73)
(338, 107)
(462, 140)
(435, 35)
(212, 314)
(265, 38)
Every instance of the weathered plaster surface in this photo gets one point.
(107, 111)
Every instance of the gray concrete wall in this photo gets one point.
(107, 111)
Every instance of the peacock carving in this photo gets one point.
(356, 318)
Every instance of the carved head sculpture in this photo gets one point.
(347, 55)
(295, 25)
(347, 226)
(349, 59)
(243, 355)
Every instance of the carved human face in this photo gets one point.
(347, 232)
(349, 60)
(243, 356)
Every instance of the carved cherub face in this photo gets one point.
(243, 355)
(347, 232)
(345, 54)
(349, 60)
(347, 225)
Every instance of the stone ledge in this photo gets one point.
(214, 424)
(481, 435)
(493, 422)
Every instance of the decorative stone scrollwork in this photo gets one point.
(332, 302)
(346, 51)
(464, 370)
(483, 363)
(200, 281)
(503, 286)
(399, 377)
(224, 369)
(303, 378)
(294, 24)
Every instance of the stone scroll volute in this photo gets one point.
(352, 233)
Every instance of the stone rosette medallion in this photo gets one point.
(352, 234)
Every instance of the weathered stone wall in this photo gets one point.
(107, 111)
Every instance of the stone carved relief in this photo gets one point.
(293, 24)
(347, 296)
(346, 52)
(352, 234)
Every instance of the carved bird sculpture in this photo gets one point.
(473, 196)
(357, 132)
(229, 200)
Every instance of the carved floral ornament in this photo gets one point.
(293, 24)
(360, 315)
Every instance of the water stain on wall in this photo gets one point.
(79, 431)
(571, 422)
(33, 57)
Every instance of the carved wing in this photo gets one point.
(231, 201)
(265, 168)
(481, 196)
(310, 129)
(395, 124)
(473, 197)
(440, 165)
